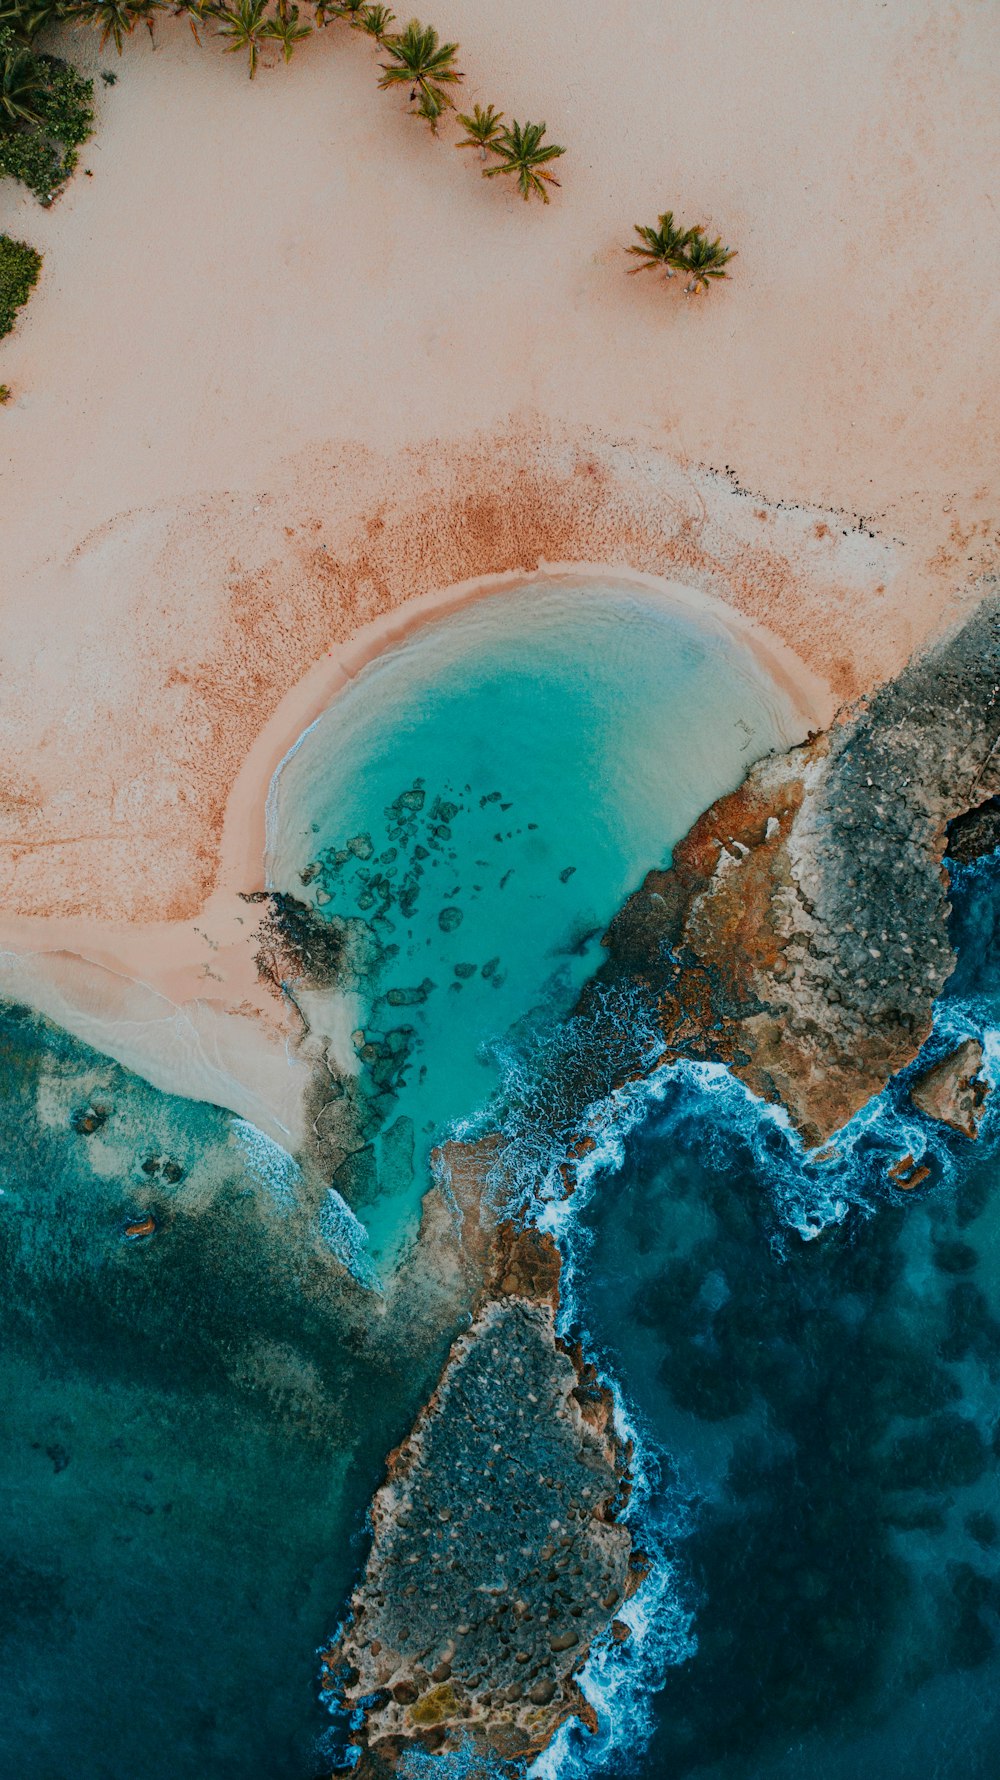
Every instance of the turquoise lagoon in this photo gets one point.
(483, 797)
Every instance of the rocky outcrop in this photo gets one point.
(975, 833)
(799, 935)
(954, 1090)
(497, 1557)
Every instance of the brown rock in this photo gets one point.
(953, 1090)
(905, 1173)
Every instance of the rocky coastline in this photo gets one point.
(800, 934)
(498, 1554)
(800, 938)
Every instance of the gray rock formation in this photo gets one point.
(800, 934)
(496, 1557)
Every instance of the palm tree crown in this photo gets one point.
(377, 21)
(705, 260)
(424, 64)
(116, 19)
(482, 129)
(680, 250)
(285, 29)
(245, 24)
(522, 154)
(22, 80)
(663, 246)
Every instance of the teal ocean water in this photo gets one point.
(478, 803)
(193, 1424)
(194, 1421)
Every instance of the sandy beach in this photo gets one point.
(181, 1002)
(292, 365)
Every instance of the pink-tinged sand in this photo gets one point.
(181, 1002)
(292, 364)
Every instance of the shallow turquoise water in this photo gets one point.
(484, 796)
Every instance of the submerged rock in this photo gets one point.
(88, 1119)
(954, 1090)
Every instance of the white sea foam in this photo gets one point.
(347, 1238)
(274, 1167)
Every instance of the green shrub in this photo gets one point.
(19, 269)
(42, 153)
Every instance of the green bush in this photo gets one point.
(42, 153)
(19, 269)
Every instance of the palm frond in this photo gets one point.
(245, 24)
(115, 19)
(422, 62)
(522, 153)
(22, 82)
(376, 21)
(482, 128)
(285, 28)
(705, 260)
(26, 18)
(663, 246)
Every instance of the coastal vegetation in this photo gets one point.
(521, 152)
(670, 248)
(420, 61)
(19, 269)
(46, 106)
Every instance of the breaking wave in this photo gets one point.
(346, 1237)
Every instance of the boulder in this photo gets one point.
(953, 1090)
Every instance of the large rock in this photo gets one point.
(954, 1090)
(496, 1557)
(800, 935)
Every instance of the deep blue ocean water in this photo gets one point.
(808, 1359)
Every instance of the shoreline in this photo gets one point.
(180, 1002)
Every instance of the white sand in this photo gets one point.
(292, 362)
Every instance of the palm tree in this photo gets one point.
(245, 24)
(523, 155)
(195, 11)
(482, 129)
(377, 21)
(663, 246)
(705, 260)
(424, 64)
(22, 81)
(285, 29)
(27, 17)
(116, 19)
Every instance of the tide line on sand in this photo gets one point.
(180, 1002)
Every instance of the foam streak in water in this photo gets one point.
(274, 1167)
(347, 1238)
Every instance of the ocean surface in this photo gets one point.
(808, 1359)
